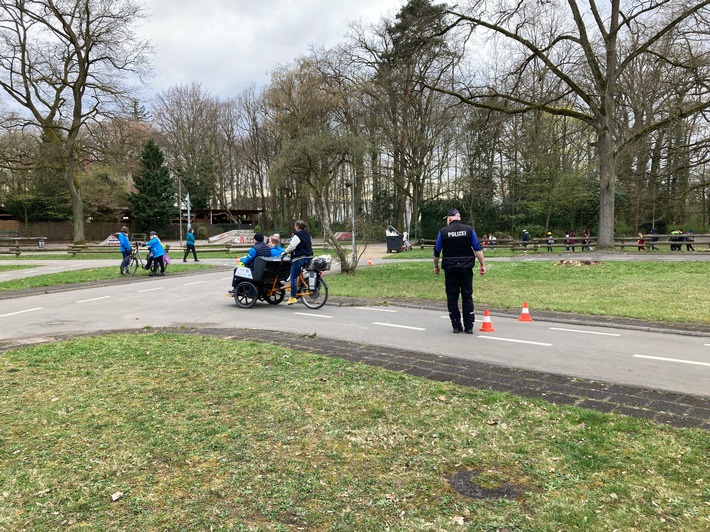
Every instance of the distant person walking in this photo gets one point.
(526, 239)
(126, 249)
(689, 239)
(654, 238)
(461, 248)
(190, 245)
(550, 241)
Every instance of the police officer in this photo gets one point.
(461, 248)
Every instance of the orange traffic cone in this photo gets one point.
(525, 314)
(487, 326)
(369, 262)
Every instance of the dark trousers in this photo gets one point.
(459, 281)
(188, 248)
(126, 259)
(158, 261)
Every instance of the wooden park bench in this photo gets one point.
(16, 244)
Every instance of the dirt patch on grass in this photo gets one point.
(466, 483)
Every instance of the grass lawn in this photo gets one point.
(84, 276)
(10, 267)
(657, 291)
(190, 433)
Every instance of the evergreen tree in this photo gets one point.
(153, 206)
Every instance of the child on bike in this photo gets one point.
(157, 251)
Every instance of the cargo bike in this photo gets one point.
(269, 280)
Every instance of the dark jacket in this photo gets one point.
(259, 250)
(304, 247)
(459, 243)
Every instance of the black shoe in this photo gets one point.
(161, 273)
(469, 331)
(152, 274)
(457, 330)
(197, 260)
(184, 260)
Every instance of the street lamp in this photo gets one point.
(351, 186)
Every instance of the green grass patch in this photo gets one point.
(11, 267)
(200, 432)
(85, 276)
(657, 291)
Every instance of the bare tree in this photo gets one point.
(581, 48)
(63, 62)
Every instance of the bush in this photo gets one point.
(202, 232)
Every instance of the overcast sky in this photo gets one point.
(227, 45)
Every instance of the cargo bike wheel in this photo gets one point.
(317, 297)
(245, 295)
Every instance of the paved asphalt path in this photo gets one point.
(632, 358)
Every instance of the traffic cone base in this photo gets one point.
(487, 326)
(525, 314)
(369, 262)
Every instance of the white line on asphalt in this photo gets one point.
(150, 289)
(93, 299)
(583, 332)
(313, 315)
(227, 278)
(399, 326)
(516, 341)
(5, 275)
(376, 309)
(56, 268)
(707, 345)
(196, 282)
(664, 359)
(21, 312)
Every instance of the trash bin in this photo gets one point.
(394, 240)
(41, 244)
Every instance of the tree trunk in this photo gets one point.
(605, 239)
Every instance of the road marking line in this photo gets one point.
(150, 289)
(93, 299)
(313, 315)
(583, 332)
(664, 359)
(398, 326)
(376, 309)
(196, 282)
(516, 341)
(707, 345)
(5, 275)
(20, 312)
(227, 279)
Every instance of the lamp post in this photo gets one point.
(351, 186)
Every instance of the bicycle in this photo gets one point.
(268, 282)
(133, 261)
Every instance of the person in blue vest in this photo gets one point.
(125, 248)
(259, 249)
(190, 245)
(461, 248)
(157, 251)
(301, 250)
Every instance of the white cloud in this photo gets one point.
(227, 45)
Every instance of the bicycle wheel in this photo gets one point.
(316, 298)
(276, 298)
(245, 295)
(132, 266)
